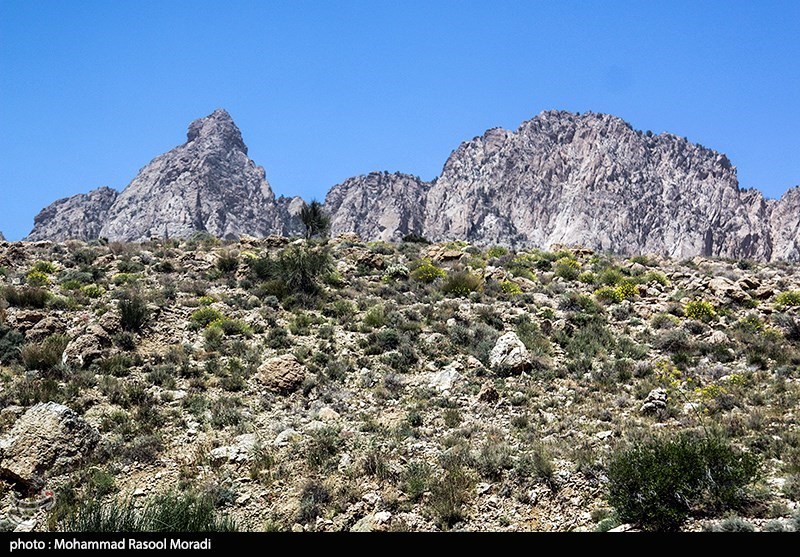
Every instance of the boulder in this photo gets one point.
(45, 328)
(509, 355)
(445, 379)
(282, 374)
(656, 400)
(48, 439)
(82, 351)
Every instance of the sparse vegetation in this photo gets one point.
(327, 383)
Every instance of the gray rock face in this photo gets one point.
(48, 439)
(784, 220)
(589, 180)
(2, 238)
(592, 180)
(78, 217)
(378, 206)
(207, 184)
(561, 178)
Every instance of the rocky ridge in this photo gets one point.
(560, 178)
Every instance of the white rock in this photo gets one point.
(327, 414)
(444, 379)
(285, 437)
(509, 354)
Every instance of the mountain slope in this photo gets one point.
(560, 178)
(78, 217)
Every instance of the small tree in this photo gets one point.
(315, 220)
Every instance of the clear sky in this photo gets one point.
(322, 90)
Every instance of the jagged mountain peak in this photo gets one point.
(217, 127)
(559, 178)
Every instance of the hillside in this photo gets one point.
(408, 386)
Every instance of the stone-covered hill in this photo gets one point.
(560, 178)
(406, 386)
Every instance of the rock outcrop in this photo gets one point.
(565, 178)
(784, 220)
(282, 374)
(48, 439)
(207, 184)
(378, 206)
(79, 217)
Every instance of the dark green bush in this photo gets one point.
(315, 220)
(133, 312)
(10, 342)
(658, 483)
(26, 297)
(312, 500)
(302, 268)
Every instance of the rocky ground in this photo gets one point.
(410, 387)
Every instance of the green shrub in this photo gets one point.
(656, 484)
(375, 317)
(567, 268)
(92, 290)
(700, 310)
(168, 512)
(655, 276)
(496, 251)
(37, 278)
(427, 272)
(417, 479)
(228, 262)
(10, 342)
(44, 356)
(449, 495)
(315, 220)
(204, 316)
(302, 268)
(510, 287)
(133, 312)
(323, 445)
(791, 298)
(415, 238)
(627, 289)
(46, 267)
(26, 297)
(607, 294)
(313, 498)
(461, 283)
(231, 327)
(610, 276)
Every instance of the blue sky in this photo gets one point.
(323, 90)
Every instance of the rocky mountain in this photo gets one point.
(207, 184)
(78, 217)
(784, 222)
(2, 238)
(561, 178)
(589, 179)
(379, 205)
